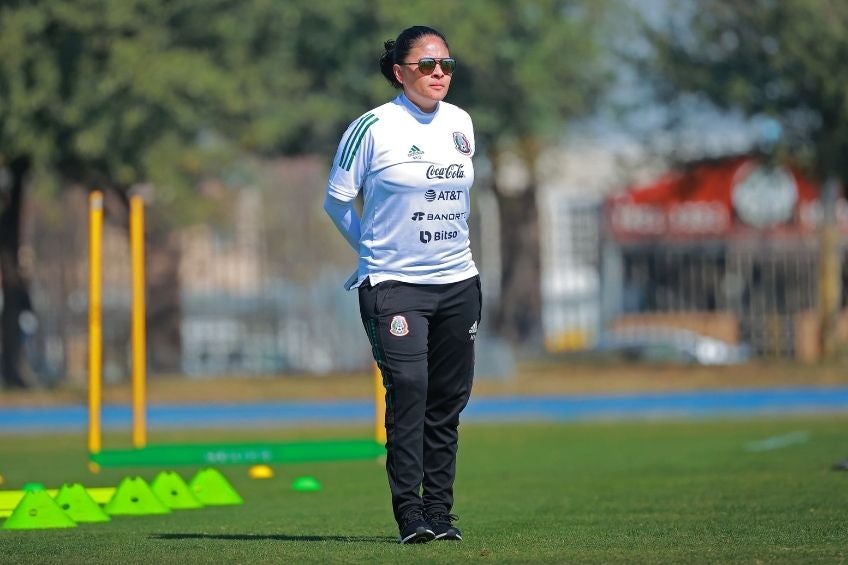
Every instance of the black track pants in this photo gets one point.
(422, 337)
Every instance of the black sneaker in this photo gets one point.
(414, 527)
(443, 526)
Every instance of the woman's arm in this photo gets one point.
(344, 216)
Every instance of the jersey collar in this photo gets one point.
(416, 112)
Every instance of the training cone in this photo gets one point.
(306, 484)
(171, 489)
(134, 497)
(37, 510)
(260, 472)
(78, 504)
(212, 489)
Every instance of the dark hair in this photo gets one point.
(396, 50)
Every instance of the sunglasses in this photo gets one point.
(428, 64)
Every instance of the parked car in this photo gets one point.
(670, 344)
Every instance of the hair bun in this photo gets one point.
(389, 45)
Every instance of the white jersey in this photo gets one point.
(416, 172)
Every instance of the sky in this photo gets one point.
(633, 117)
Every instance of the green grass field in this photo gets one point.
(702, 491)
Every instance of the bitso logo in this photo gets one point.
(399, 327)
(417, 216)
(430, 195)
(461, 143)
(427, 237)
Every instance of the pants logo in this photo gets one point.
(399, 327)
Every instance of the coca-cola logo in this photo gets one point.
(452, 171)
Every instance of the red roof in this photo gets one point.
(712, 198)
(709, 181)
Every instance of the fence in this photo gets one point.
(257, 288)
(755, 289)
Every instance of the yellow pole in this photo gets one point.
(95, 331)
(379, 407)
(139, 344)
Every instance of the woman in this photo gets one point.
(419, 290)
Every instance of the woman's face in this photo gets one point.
(424, 90)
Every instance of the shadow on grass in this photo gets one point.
(276, 537)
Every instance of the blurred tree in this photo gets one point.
(778, 59)
(526, 70)
(20, 106)
(16, 297)
(112, 94)
(109, 94)
(784, 60)
(321, 60)
(335, 46)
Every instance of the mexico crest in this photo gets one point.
(461, 143)
(399, 327)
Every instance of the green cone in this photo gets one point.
(171, 489)
(37, 510)
(212, 489)
(78, 504)
(306, 484)
(134, 497)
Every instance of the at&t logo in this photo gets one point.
(431, 195)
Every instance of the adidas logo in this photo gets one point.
(473, 331)
(414, 152)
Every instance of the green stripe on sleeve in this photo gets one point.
(356, 129)
(357, 136)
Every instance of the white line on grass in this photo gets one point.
(778, 442)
